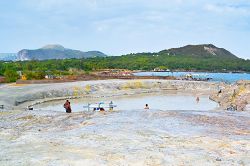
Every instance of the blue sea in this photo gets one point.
(222, 77)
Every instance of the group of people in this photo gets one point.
(68, 107)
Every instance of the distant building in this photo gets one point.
(20, 73)
(161, 70)
(116, 72)
(49, 76)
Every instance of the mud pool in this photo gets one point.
(169, 101)
(127, 136)
(176, 130)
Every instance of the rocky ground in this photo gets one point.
(234, 97)
(132, 137)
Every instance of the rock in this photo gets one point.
(235, 96)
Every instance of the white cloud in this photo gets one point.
(228, 9)
(127, 25)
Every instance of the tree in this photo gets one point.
(11, 75)
(163, 67)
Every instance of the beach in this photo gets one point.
(124, 136)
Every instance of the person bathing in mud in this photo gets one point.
(67, 106)
(197, 99)
(102, 109)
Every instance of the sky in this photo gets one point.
(118, 27)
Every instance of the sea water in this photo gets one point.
(224, 77)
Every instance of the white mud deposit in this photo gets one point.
(14, 95)
(122, 137)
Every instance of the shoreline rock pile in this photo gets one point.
(234, 97)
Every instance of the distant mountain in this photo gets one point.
(56, 52)
(203, 50)
(8, 56)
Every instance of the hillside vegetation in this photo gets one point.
(212, 61)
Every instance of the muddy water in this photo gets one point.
(170, 136)
(170, 101)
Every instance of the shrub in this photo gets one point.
(11, 75)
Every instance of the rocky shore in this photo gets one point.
(233, 97)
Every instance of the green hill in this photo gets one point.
(204, 50)
(188, 58)
(56, 52)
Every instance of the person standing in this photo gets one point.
(111, 107)
(67, 106)
(146, 106)
(197, 99)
